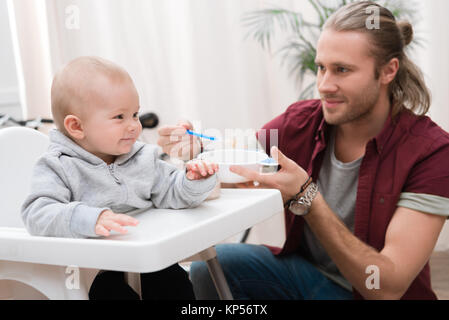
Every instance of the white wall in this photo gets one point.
(188, 58)
(433, 58)
(9, 92)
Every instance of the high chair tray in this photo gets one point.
(162, 238)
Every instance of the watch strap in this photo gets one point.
(301, 191)
(304, 203)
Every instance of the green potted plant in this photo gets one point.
(299, 49)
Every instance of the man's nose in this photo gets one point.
(326, 84)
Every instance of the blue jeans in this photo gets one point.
(253, 272)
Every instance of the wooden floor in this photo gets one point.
(439, 266)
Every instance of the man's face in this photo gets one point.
(346, 77)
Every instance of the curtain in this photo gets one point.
(28, 23)
(433, 57)
(189, 59)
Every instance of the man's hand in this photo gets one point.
(109, 220)
(177, 143)
(200, 169)
(288, 179)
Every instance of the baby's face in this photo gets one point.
(111, 119)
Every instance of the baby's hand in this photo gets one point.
(109, 220)
(200, 169)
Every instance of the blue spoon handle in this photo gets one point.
(200, 135)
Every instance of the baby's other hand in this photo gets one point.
(109, 220)
(200, 169)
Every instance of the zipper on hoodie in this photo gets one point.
(112, 172)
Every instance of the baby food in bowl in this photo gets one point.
(225, 158)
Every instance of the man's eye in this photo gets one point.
(319, 67)
(120, 116)
(135, 115)
(342, 70)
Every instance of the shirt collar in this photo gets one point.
(380, 140)
(323, 129)
(63, 144)
(125, 157)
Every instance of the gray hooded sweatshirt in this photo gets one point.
(71, 187)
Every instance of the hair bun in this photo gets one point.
(406, 30)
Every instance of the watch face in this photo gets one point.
(298, 209)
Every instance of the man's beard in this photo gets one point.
(360, 108)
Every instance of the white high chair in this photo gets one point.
(20, 149)
(45, 265)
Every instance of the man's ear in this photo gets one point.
(73, 126)
(389, 71)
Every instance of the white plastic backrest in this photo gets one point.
(20, 148)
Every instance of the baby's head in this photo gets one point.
(95, 103)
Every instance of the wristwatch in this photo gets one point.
(301, 206)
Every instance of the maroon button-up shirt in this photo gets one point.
(410, 154)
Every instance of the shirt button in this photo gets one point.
(382, 200)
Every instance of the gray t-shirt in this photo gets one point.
(337, 183)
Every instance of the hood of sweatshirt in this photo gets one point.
(62, 144)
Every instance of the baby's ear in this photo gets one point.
(72, 125)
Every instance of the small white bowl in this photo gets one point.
(228, 157)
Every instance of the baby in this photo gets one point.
(95, 170)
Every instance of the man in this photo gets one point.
(363, 177)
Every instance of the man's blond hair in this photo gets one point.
(71, 85)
